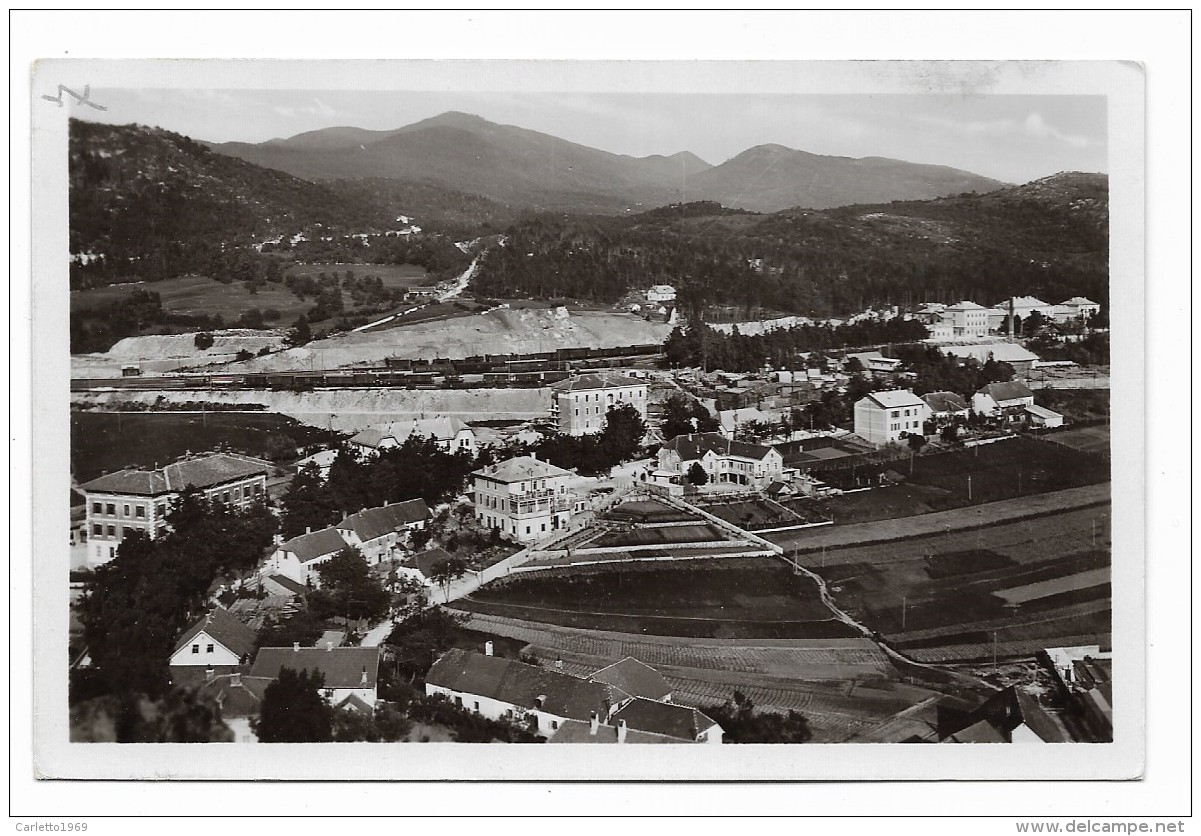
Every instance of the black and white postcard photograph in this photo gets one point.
(436, 419)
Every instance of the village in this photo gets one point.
(422, 574)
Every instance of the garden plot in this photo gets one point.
(1055, 586)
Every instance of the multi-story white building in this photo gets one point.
(580, 404)
(967, 319)
(525, 498)
(1081, 307)
(378, 533)
(138, 500)
(882, 417)
(724, 460)
(661, 293)
(449, 433)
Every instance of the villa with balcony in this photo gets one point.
(526, 498)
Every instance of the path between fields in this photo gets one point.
(939, 522)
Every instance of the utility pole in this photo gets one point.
(994, 651)
(904, 605)
(969, 487)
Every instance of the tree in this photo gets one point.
(348, 590)
(293, 710)
(950, 433)
(308, 504)
(916, 442)
(421, 639)
(622, 433)
(741, 724)
(697, 475)
(203, 340)
(682, 415)
(445, 572)
(301, 333)
(302, 628)
(177, 717)
(243, 354)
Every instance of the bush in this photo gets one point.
(203, 341)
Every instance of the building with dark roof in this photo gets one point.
(449, 433)
(636, 679)
(299, 557)
(1004, 401)
(508, 689)
(1010, 716)
(139, 500)
(946, 406)
(594, 731)
(219, 642)
(376, 532)
(237, 698)
(724, 460)
(347, 671)
(681, 722)
(580, 403)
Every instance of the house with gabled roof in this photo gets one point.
(219, 642)
(685, 724)
(139, 500)
(1011, 716)
(237, 698)
(636, 679)
(420, 566)
(883, 417)
(594, 731)
(945, 407)
(507, 689)
(347, 671)
(299, 557)
(377, 532)
(1006, 401)
(449, 433)
(1081, 307)
(724, 460)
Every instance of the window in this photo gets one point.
(161, 508)
(111, 531)
(554, 724)
(96, 508)
(258, 490)
(896, 413)
(225, 497)
(195, 648)
(208, 649)
(111, 552)
(97, 529)
(139, 511)
(477, 706)
(125, 510)
(110, 509)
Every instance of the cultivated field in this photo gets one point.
(202, 296)
(1084, 439)
(392, 275)
(733, 597)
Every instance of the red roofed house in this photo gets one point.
(217, 642)
(376, 531)
(349, 672)
(299, 557)
(138, 500)
(724, 460)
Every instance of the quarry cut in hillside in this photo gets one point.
(350, 410)
(501, 331)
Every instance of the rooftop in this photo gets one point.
(635, 678)
(580, 731)
(894, 398)
(519, 684)
(695, 445)
(424, 562)
(442, 428)
(1011, 391)
(595, 380)
(677, 721)
(224, 629)
(945, 402)
(371, 523)
(521, 469)
(201, 472)
(315, 544)
(342, 667)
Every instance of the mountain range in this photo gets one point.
(516, 166)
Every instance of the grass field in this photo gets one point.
(733, 598)
(753, 515)
(666, 536)
(648, 510)
(200, 295)
(1084, 439)
(102, 442)
(392, 275)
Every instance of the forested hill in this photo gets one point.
(1048, 238)
(156, 201)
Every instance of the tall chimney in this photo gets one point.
(1011, 316)
(594, 724)
(363, 678)
(621, 731)
(488, 648)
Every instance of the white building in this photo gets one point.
(580, 404)
(661, 293)
(218, 643)
(299, 557)
(524, 497)
(881, 417)
(450, 434)
(1081, 307)
(1003, 399)
(967, 319)
(139, 500)
(724, 460)
(378, 532)
(351, 673)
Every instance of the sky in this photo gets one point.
(1011, 137)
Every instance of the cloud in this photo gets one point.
(1036, 126)
(317, 108)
